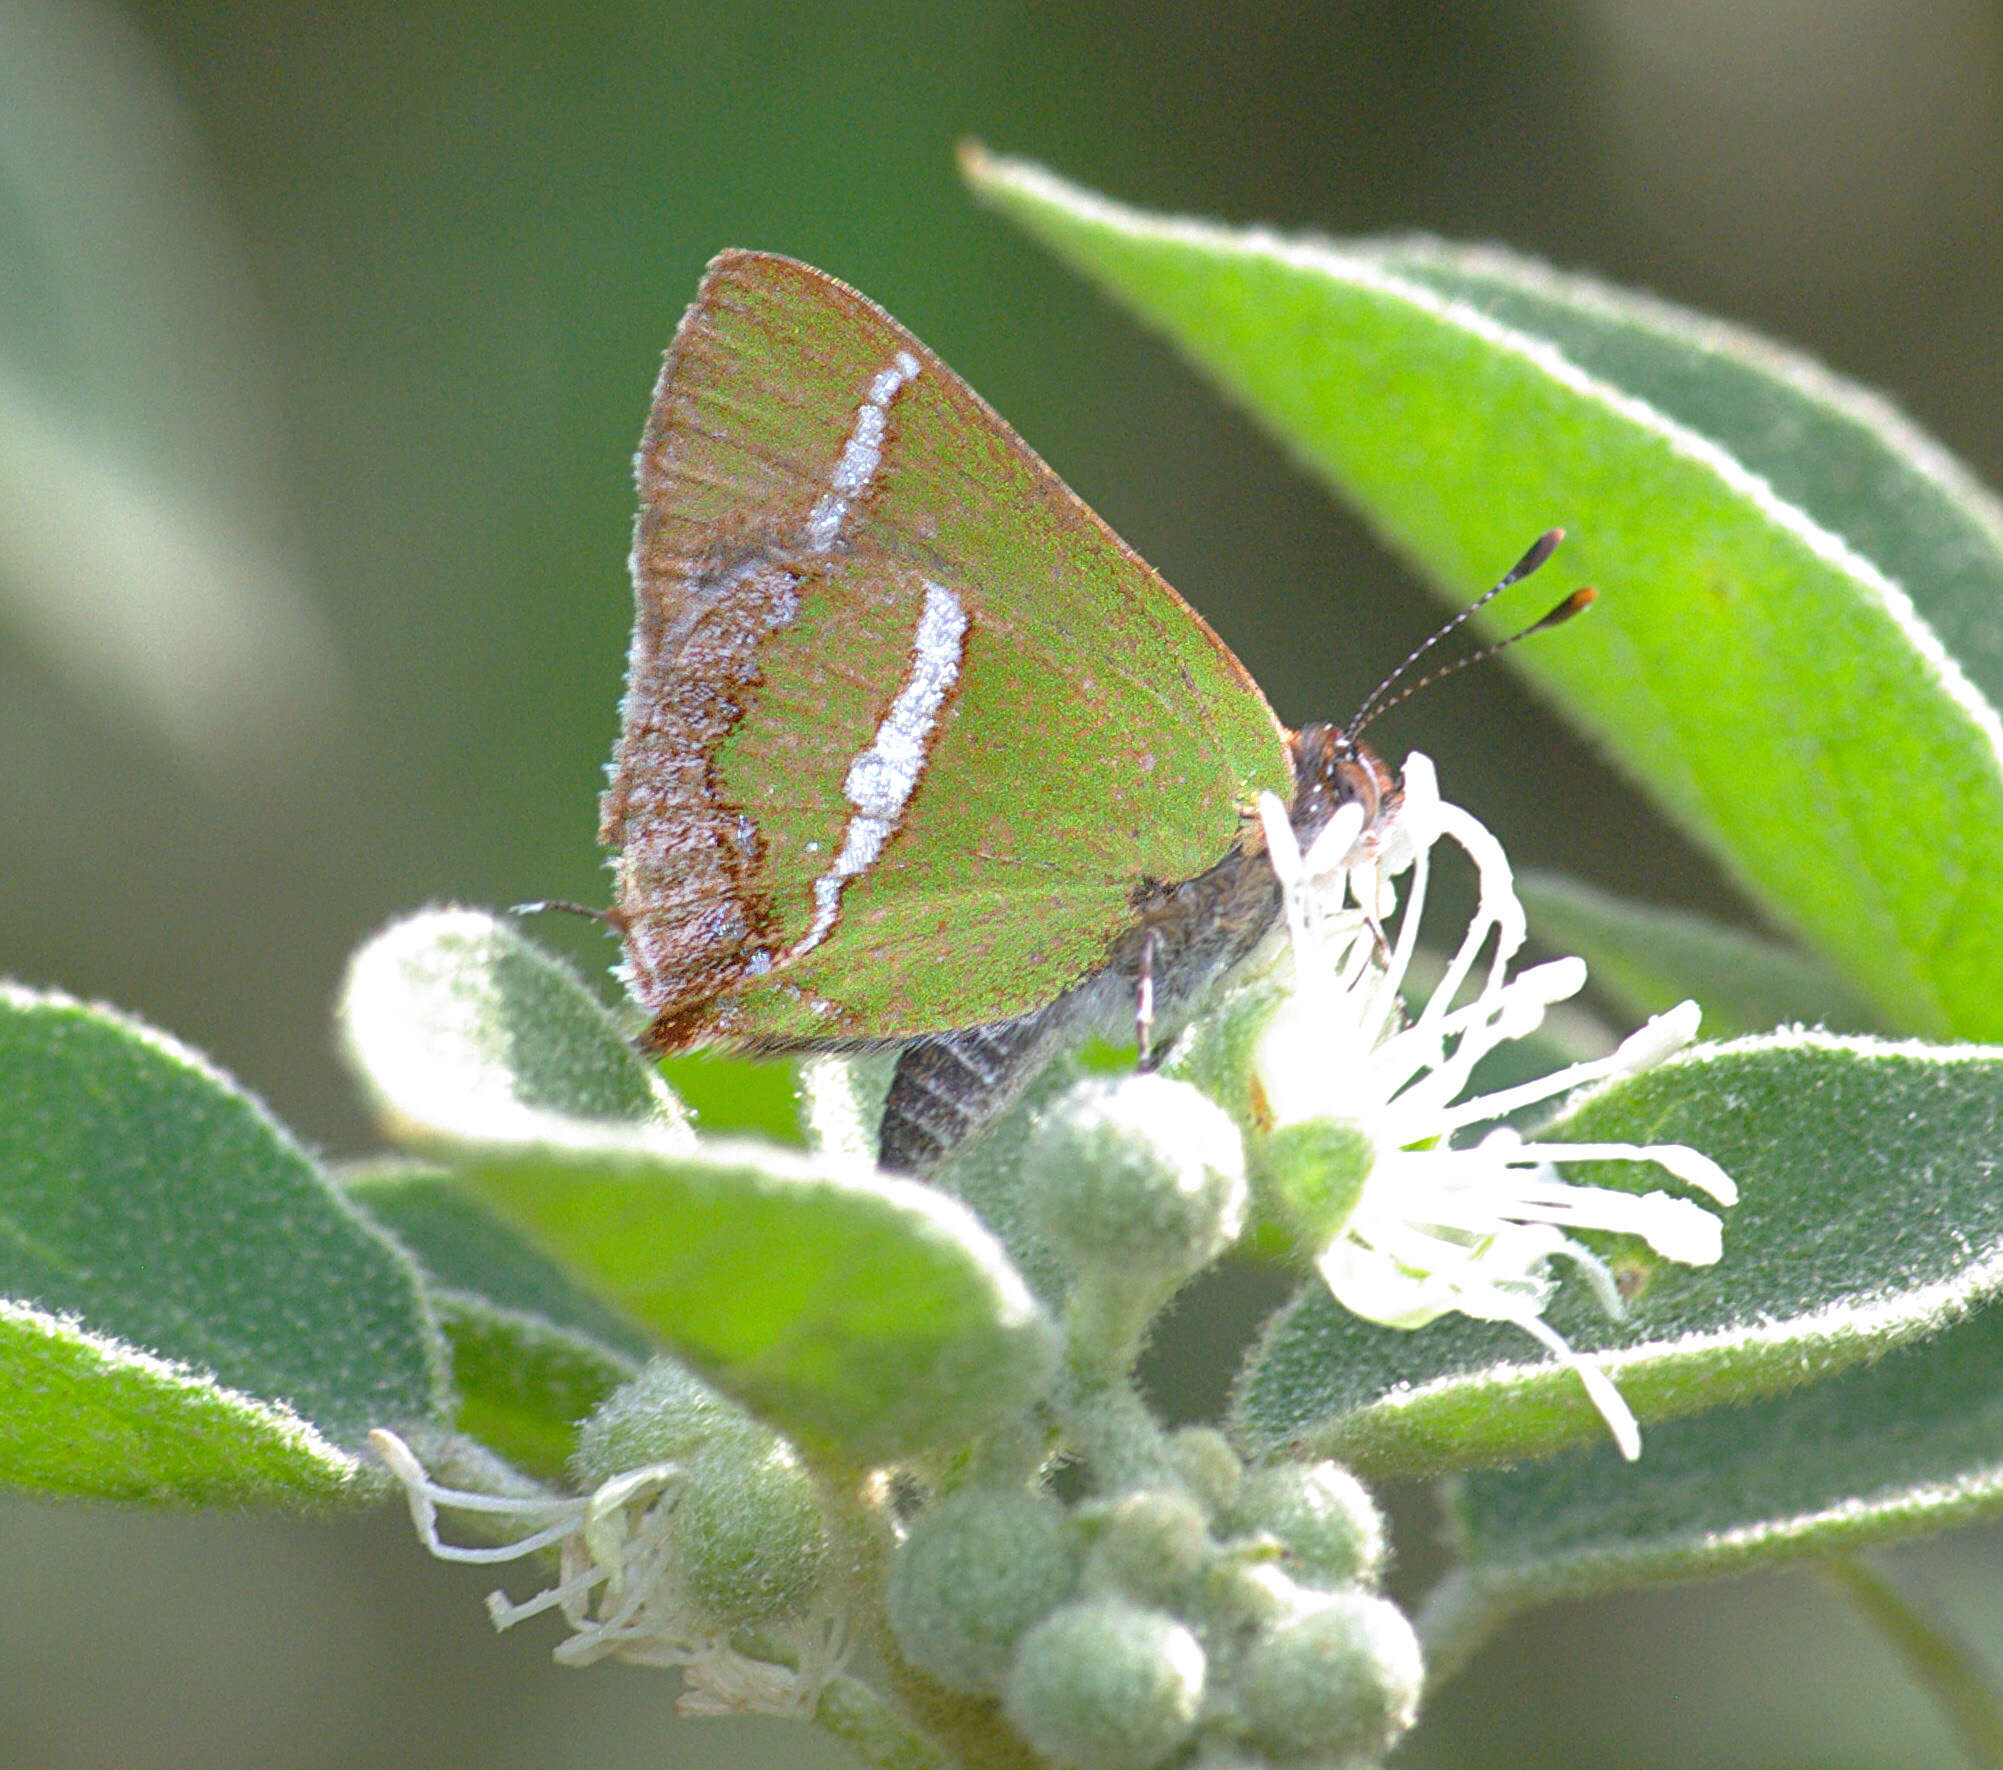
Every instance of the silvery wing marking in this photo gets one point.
(711, 588)
(861, 456)
(880, 781)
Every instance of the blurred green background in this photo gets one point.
(325, 336)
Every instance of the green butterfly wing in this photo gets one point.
(908, 730)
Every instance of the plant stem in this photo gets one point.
(859, 1527)
(1455, 1620)
(871, 1727)
(1095, 1401)
(1939, 1660)
(1105, 1323)
(1111, 1428)
(970, 1729)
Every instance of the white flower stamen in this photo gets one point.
(1439, 1226)
(617, 1591)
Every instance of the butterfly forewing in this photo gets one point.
(906, 726)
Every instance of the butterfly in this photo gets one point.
(915, 751)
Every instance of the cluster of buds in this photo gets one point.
(1189, 1609)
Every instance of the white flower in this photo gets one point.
(1441, 1225)
(616, 1588)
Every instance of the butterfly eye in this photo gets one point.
(1358, 780)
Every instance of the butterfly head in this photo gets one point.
(1332, 770)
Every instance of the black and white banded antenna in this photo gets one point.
(1381, 699)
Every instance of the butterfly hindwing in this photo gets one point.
(906, 725)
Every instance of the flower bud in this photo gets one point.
(1341, 1680)
(1137, 1178)
(1106, 1685)
(1203, 1457)
(1311, 1174)
(1241, 1597)
(751, 1543)
(1322, 1515)
(1218, 1052)
(1148, 1546)
(663, 1415)
(979, 1568)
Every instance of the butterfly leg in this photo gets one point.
(610, 918)
(1144, 1000)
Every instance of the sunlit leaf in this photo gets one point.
(1795, 647)
(198, 1310)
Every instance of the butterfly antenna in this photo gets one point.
(1381, 699)
(1580, 600)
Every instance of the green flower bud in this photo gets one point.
(751, 1544)
(1219, 1051)
(1203, 1457)
(1137, 1178)
(1148, 1546)
(663, 1415)
(1106, 1685)
(979, 1568)
(1311, 1174)
(1338, 1681)
(1243, 1596)
(1322, 1515)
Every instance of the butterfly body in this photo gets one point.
(915, 751)
(1187, 939)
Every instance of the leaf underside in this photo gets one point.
(863, 1316)
(1869, 1216)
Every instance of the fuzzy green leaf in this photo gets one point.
(464, 1248)
(1870, 1216)
(730, 1096)
(1648, 958)
(91, 1417)
(865, 1317)
(1796, 650)
(1909, 1444)
(198, 1313)
(532, 1353)
(459, 1027)
(524, 1386)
